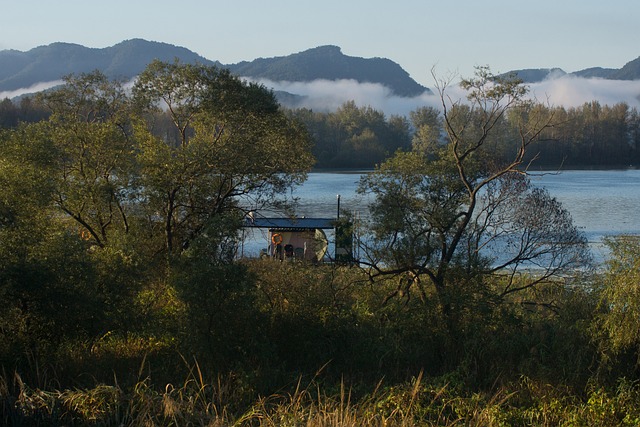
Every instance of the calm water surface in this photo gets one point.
(601, 202)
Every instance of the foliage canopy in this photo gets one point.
(450, 213)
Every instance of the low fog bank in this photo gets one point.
(328, 95)
(567, 91)
(570, 91)
(38, 87)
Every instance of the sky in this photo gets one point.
(422, 36)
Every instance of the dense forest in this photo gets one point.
(354, 137)
(361, 137)
(122, 300)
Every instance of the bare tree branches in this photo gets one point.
(461, 215)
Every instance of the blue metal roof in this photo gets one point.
(291, 223)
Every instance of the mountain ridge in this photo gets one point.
(125, 60)
(630, 71)
(51, 62)
(329, 63)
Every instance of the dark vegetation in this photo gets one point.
(353, 137)
(121, 301)
(592, 135)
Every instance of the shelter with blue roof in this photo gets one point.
(295, 238)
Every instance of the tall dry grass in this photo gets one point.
(415, 403)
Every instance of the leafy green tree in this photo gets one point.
(96, 198)
(46, 275)
(201, 141)
(15, 112)
(354, 137)
(8, 114)
(446, 220)
(94, 166)
(592, 134)
(428, 129)
(223, 327)
(233, 142)
(399, 134)
(618, 322)
(634, 132)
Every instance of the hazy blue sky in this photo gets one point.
(453, 36)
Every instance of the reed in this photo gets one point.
(414, 403)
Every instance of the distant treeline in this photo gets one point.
(590, 135)
(25, 110)
(361, 137)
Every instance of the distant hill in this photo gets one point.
(534, 75)
(631, 71)
(328, 62)
(50, 63)
(596, 72)
(127, 59)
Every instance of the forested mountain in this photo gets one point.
(631, 71)
(127, 59)
(328, 62)
(50, 63)
(597, 72)
(532, 75)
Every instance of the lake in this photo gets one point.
(601, 202)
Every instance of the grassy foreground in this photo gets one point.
(283, 344)
(415, 403)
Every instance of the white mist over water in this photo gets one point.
(328, 95)
(566, 91)
(38, 87)
(569, 91)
